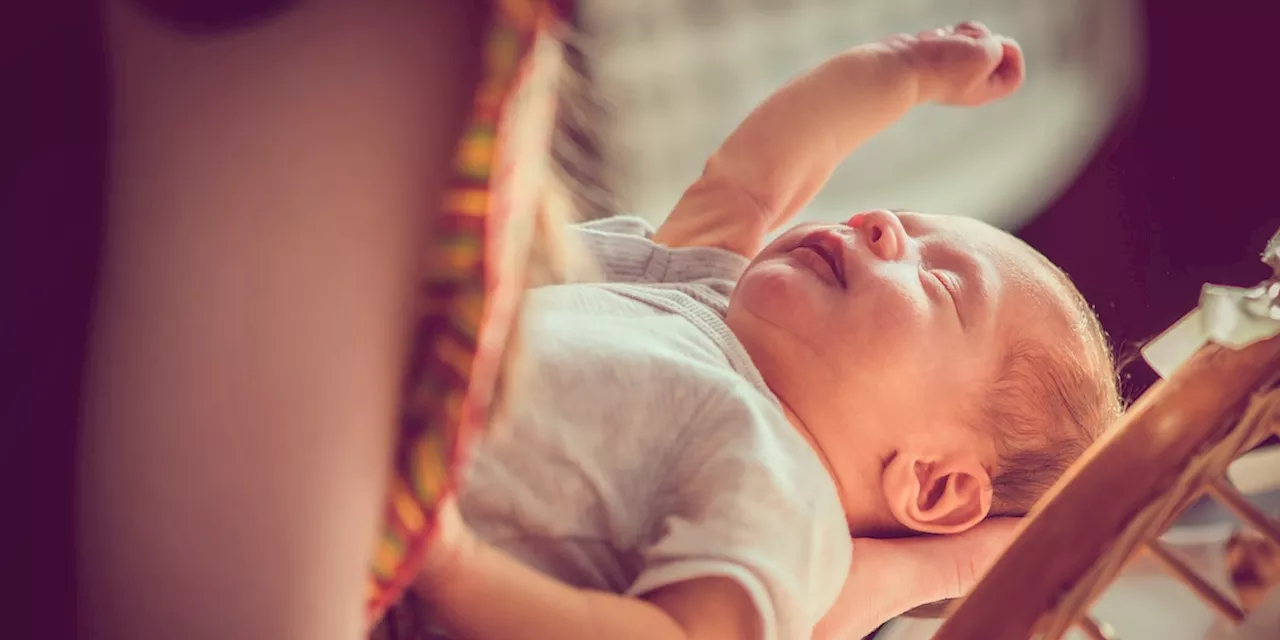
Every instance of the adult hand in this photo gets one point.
(890, 577)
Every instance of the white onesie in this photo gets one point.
(647, 449)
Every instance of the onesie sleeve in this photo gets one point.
(747, 499)
(624, 250)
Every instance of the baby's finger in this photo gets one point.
(973, 29)
(1008, 75)
(933, 34)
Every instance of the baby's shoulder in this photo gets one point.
(743, 431)
(624, 250)
(734, 407)
(674, 369)
(756, 491)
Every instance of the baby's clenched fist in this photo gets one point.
(963, 65)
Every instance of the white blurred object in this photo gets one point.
(1231, 316)
(682, 73)
(1257, 471)
(1176, 345)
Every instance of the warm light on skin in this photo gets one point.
(880, 377)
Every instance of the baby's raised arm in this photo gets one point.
(786, 149)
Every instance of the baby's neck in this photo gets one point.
(864, 514)
(807, 434)
(857, 488)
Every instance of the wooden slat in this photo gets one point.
(1080, 518)
(1239, 505)
(1211, 596)
(1191, 499)
(1093, 629)
(1262, 621)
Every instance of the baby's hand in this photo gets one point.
(449, 550)
(964, 65)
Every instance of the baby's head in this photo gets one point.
(943, 369)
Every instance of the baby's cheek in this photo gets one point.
(892, 305)
(778, 292)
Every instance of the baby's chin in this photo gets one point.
(780, 292)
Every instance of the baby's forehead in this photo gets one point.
(1038, 293)
(958, 228)
(1004, 249)
(1030, 282)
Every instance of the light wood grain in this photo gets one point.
(1232, 499)
(1093, 629)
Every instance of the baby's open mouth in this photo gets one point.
(815, 245)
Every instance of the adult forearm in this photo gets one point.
(269, 200)
(488, 595)
(787, 147)
(889, 578)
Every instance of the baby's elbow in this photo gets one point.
(712, 608)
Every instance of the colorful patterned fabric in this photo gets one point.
(473, 275)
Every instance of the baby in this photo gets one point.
(702, 433)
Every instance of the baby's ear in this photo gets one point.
(937, 494)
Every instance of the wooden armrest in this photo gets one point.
(1090, 508)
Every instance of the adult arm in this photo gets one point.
(892, 576)
(269, 195)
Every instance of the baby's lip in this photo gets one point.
(831, 247)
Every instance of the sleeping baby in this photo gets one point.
(707, 439)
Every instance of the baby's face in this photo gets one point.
(894, 313)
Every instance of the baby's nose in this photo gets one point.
(882, 231)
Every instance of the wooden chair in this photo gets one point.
(1170, 449)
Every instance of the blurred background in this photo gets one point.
(1137, 156)
(1140, 157)
(681, 75)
